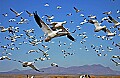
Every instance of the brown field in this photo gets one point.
(51, 76)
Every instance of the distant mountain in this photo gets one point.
(95, 69)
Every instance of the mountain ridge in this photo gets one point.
(95, 69)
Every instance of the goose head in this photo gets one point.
(48, 39)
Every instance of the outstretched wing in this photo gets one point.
(14, 11)
(113, 20)
(46, 29)
(28, 12)
(33, 67)
(70, 37)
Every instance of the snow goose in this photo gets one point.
(17, 14)
(30, 64)
(97, 25)
(31, 51)
(5, 57)
(107, 19)
(109, 33)
(54, 64)
(118, 11)
(3, 29)
(107, 13)
(116, 23)
(30, 14)
(92, 17)
(77, 10)
(69, 14)
(5, 15)
(59, 7)
(23, 20)
(46, 5)
(47, 30)
(12, 20)
(117, 63)
(49, 18)
(59, 25)
(84, 21)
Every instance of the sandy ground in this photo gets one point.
(50, 76)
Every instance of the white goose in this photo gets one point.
(30, 14)
(109, 33)
(49, 18)
(5, 57)
(117, 63)
(17, 14)
(30, 64)
(54, 64)
(3, 29)
(59, 25)
(97, 25)
(107, 13)
(77, 10)
(116, 23)
(47, 30)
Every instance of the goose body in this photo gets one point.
(30, 64)
(97, 25)
(17, 14)
(116, 23)
(30, 14)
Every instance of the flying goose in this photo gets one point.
(17, 14)
(116, 23)
(30, 64)
(97, 26)
(84, 21)
(5, 15)
(92, 16)
(117, 63)
(107, 13)
(59, 7)
(5, 57)
(54, 64)
(109, 33)
(30, 14)
(107, 19)
(47, 30)
(49, 18)
(77, 10)
(59, 25)
(3, 29)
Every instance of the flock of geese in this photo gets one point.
(54, 30)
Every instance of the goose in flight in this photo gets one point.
(97, 26)
(54, 64)
(117, 63)
(107, 13)
(5, 57)
(2, 29)
(5, 15)
(109, 33)
(30, 64)
(107, 19)
(77, 10)
(49, 18)
(59, 25)
(116, 23)
(30, 14)
(47, 30)
(17, 14)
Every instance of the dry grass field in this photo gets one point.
(51, 76)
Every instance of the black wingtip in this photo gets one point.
(70, 37)
(110, 17)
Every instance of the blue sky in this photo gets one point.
(81, 56)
